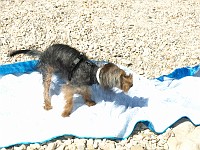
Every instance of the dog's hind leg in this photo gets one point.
(47, 75)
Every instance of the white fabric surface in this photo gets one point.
(23, 119)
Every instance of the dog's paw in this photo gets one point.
(47, 106)
(65, 114)
(90, 103)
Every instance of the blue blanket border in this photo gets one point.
(30, 66)
(181, 72)
(18, 68)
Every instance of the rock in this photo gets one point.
(134, 141)
(96, 143)
(195, 135)
(166, 146)
(189, 144)
(169, 133)
(80, 146)
(51, 146)
(22, 147)
(58, 143)
(71, 147)
(80, 143)
(44, 147)
(126, 62)
(106, 144)
(182, 130)
(111, 145)
(137, 147)
(29, 148)
(173, 143)
(61, 147)
(67, 142)
(89, 144)
(35, 146)
(123, 142)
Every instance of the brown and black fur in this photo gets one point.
(78, 70)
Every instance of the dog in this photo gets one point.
(79, 71)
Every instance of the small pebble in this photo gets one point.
(51, 146)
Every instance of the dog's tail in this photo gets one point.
(27, 51)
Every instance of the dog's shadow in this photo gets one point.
(118, 97)
(56, 85)
(99, 94)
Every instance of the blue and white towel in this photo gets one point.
(158, 103)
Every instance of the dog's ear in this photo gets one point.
(126, 82)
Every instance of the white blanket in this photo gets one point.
(23, 119)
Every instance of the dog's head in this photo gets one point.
(112, 76)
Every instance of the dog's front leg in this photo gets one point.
(68, 96)
(86, 93)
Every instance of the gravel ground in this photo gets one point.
(151, 37)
